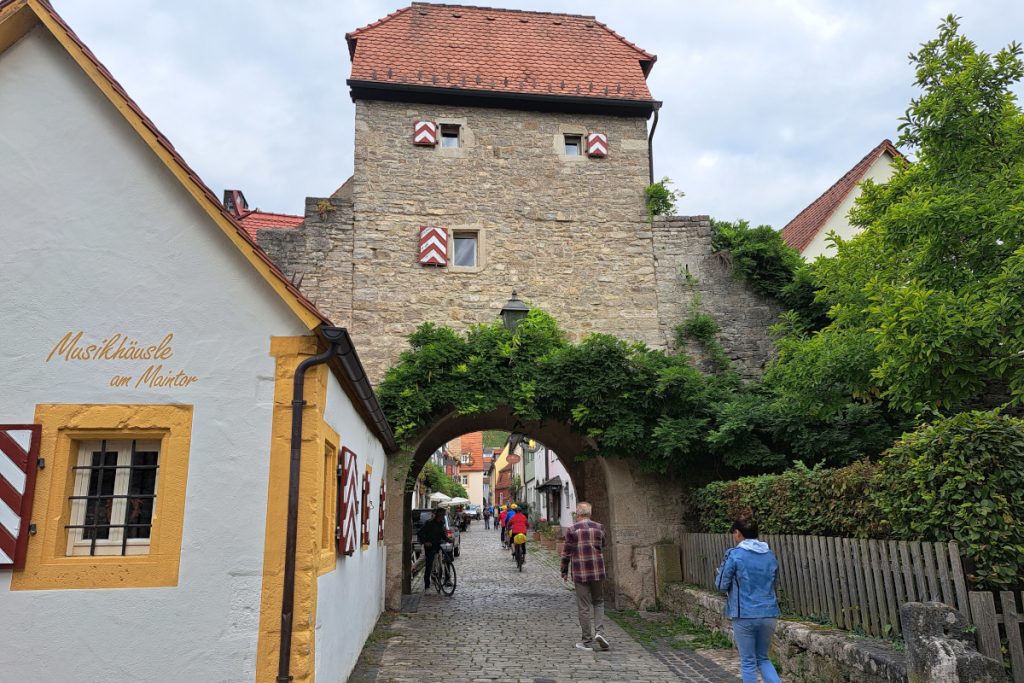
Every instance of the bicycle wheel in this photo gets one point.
(520, 557)
(436, 575)
(448, 586)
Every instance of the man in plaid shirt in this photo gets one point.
(583, 550)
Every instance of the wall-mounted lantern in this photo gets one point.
(513, 312)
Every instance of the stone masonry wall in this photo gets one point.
(318, 255)
(683, 244)
(569, 233)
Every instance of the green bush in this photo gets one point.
(660, 200)
(831, 502)
(958, 479)
(962, 479)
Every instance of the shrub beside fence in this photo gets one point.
(855, 584)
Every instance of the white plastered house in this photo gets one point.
(147, 368)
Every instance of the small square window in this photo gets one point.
(449, 135)
(464, 459)
(114, 496)
(465, 249)
(573, 145)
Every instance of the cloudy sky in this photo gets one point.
(767, 102)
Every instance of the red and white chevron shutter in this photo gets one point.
(424, 133)
(348, 502)
(19, 457)
(433, 245)
(380, 511)
(365, 531)
(597, 145)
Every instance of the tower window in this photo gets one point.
(573, 145)
(465, 249)
(449, 135)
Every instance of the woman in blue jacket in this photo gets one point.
(748, 575)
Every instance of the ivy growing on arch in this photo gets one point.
(647, 405)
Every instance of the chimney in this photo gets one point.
(234, 202)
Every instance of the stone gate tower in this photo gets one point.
(498, 150)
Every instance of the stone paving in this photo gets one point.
(503, 625)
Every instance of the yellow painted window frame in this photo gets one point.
(329, 501)
(47, 567)
(368, 507)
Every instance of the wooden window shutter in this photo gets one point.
(348, 500)
(365, 530)
(19, 445)
(597, 145)
(433, 245)
(381, 509)
(424, 133)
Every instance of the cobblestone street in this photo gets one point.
(503, 625)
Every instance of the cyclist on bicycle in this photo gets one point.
(501, 522)
(432, 534)
(518, 525)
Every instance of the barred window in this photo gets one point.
(114, 497)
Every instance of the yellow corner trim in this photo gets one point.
(46, 566)
(289, 352)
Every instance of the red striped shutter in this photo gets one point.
(424, 133)
(597, 145)
(19, 458)
(433, 245)
(380, 510)
(348, 500)
(365, 530)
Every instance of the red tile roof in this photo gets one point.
(473, 444)
(500, 50)
(800, 231)
(252, 221)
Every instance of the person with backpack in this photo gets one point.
(747, 575)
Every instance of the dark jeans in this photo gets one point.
(487, 522)
(428, 564)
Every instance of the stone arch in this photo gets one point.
(630, 504)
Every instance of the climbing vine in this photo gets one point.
(634, 402)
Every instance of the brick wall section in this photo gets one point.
(683, 243)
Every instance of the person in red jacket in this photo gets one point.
(518, 524)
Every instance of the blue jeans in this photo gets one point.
(753, 636)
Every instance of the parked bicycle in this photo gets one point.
(442, 574)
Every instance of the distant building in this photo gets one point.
(808, 231)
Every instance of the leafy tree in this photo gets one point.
(437, 480)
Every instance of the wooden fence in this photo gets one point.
(995, 627)
(855, 584)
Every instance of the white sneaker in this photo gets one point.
(584, 647)
(602, 642)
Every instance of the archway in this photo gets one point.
(638, 510)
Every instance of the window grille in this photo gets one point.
(114, 497)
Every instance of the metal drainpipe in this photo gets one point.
(650, 143)
(333, 336)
